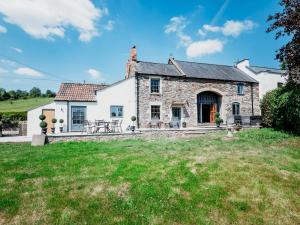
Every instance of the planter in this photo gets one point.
(53, 130)
(132, 128)
(44, 130)
(61, 129)
(218, 125)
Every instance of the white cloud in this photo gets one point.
(110, 25)
(3, 29)
(177, 25)
(235, 28)
(95, 74)
(230, 28)
(7, 62)
(17, 49)
(207, 47)
(46, 19)
(28, 72)
(2, 70)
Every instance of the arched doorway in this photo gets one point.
(208, 103)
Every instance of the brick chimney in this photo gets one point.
(131, 62)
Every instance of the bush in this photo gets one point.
(54, 120)
(267, 107)
(19, 116)
(133, 118)
(61, 120)
(281, 108)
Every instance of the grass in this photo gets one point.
(22, 105)
(252, 179)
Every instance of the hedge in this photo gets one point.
(19, 116)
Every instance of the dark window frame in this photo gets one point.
(116, 116)
(155, 112)
(242, 89)
(155, 88)
(236, 108)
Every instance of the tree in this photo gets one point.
(3, 94)
(12, 94)
(287, 23)
(50, 94)
(35, 92)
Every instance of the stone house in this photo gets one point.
(176, 92)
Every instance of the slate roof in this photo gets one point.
(156, 69)
(213, 71)
(78, 92)
(259, 69)
(194, 70)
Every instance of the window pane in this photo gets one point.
(240, 89)
(235, 108)
(155, 85)
(155, 112)
(116, 111)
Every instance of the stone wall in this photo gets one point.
(184, 91)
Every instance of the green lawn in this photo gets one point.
(253, 179)
(22, 105)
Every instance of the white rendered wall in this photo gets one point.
(33, 121)
(120, 94)
(267, 81)
(61, 112)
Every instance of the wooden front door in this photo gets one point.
(213, 110)
(49, 113)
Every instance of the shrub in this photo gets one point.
(54, 120)
(281, 108)
(133, 118)
(61, 120)
(268, 107)
(43, 124)
(42, 117)
(19, 116)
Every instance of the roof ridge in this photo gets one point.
(206, 63)
(153, 62)
(104, 84)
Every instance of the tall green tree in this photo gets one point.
(287, 24)
(35, 92)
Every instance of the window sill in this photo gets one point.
(158, 94)
(241, 94)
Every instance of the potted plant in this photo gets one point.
(53, 127)
(43, 124)
(133, 119)
(218, 119)
(61, 121)
(184, 124)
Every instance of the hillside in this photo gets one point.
(22, 105)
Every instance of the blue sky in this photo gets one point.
(44, 43)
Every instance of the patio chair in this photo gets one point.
(116, 125)
(87, 127)
(100, 124)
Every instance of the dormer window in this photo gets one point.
(240, 89)
(154, 85)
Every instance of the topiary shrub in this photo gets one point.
(54, 120)
(43, 124)
(42, 117)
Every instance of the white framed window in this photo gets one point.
(240, 89)
(116, 111)
(235, 108)
(155, 112)
(155, 85)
